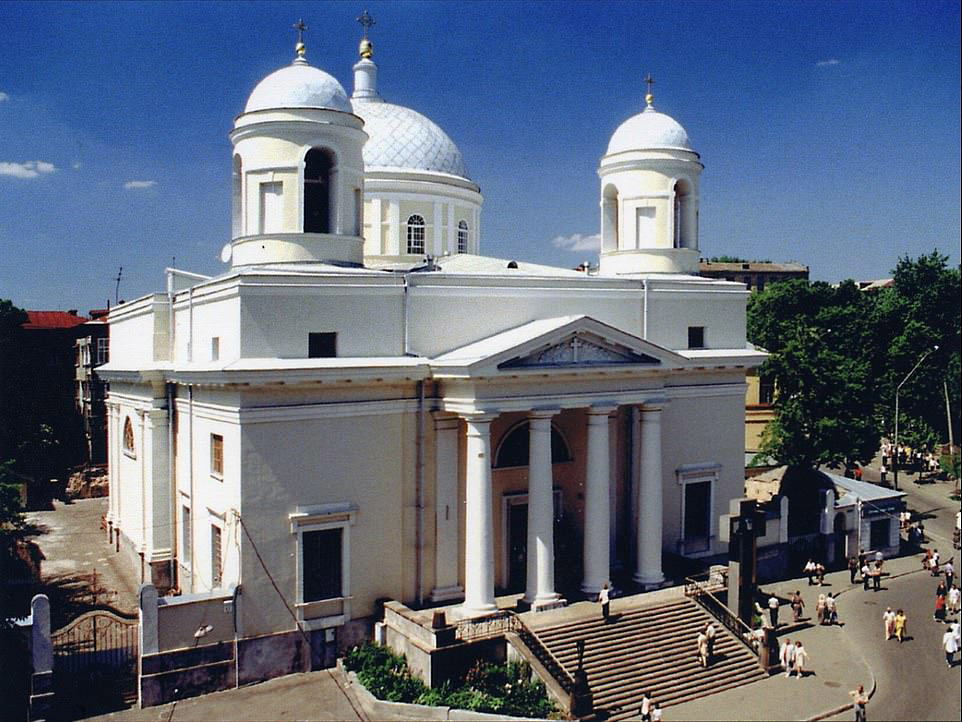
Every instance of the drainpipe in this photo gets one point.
(419, 539)
(172, 478)
(404, 314)
(644, 327)
(190, 476)
(190, 330)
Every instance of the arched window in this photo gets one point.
(237, 206)
(415, 234)
(514, 447)
(318, 206)
(609, 219)
(462, 236)
(128, 436)
(683, 220)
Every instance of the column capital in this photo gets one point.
(600, 410)
(543, 413)
(480, 417)
(654, 404)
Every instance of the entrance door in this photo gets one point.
(517, 547)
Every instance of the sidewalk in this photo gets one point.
(834, 657)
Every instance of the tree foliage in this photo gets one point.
(837, 355)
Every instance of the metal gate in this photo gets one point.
(95, 661)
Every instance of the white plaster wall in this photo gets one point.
(138, 332)
(198, 320)
(358, 460)
(672, 309)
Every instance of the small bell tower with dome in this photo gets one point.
(298, 170)
(649, 196)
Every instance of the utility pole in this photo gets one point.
(120, 272)
(895, 455)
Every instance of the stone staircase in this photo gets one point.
(652, 650)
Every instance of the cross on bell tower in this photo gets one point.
(366, 48)
(299, 47)
(649, 81)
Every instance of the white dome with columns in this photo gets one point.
(418, 198)
(649, 130)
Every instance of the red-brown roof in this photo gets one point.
(52, 320)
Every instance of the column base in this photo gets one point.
(468, 612)
(446, 594)
(649, 581)
(548, 603)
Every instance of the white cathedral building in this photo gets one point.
(362, 406)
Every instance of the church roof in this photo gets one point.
(299, 85)
(649, 130)
(400, 137)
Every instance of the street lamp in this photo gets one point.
(895, 452)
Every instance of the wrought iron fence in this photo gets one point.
(98, 645)
(701, 593)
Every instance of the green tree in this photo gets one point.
(817, 337)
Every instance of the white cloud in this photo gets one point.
(137, 184)
(27, 169)
(827, 63)
(76, 165)
(578, 242)
(3, 96)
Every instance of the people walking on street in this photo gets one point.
(644, 709)
(773, 611)
(866, 573)
(701, 644)
(797, 605)
(950, 644)
(801, 660)
(953, 599)
(939, 615)
(852, 569)
(810, 571)
(882, 473)
(820, 609)
(859, 702)
(949, 571)
(820, 573)
(934, 563)
(888, 621)
(655, 712)
(786, 655)
(901, 621)
(604, 596)
(877, 576)
(709, 642)
(831, 610)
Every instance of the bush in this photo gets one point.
(499, 689)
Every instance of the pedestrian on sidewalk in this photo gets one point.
(866, 573)
(773, 610)
(797, 604)
(859, 700)
(644, 709)
(877, 577)
(882, 473)
(604, 596)
(820, 573)
(949, 572)
(888, 621)
(852, 569)
(934, 563)
(939, 615)
(810, 571)
(701, 644)
(709, 642)
(801, 660)
(953, 599)
(655, 712)
(858, 472)
(901, 621)
(951, 645)
(786, 655)
(831, 610)
(820, 609)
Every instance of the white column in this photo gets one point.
(446, 509)
(540, 590)
(452, 233)
(374, 242)
(113, 441)
(648, 570)
(596, 559)
(478, 519)
(613, 491)
(393, 245)
(438, 229)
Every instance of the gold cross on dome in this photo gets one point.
(649, 81)
(366, 21)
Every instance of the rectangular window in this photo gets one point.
(216, 567)
(215, 348)
(103, 351)
(645, 227)
(696, 337)
(271, 207)
(322, 345)
(186, 535)
(766, 390)
(217, 455)
(697, 510)
(321, 563)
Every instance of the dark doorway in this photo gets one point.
(317, 190)
(517, 547)
(840, 537)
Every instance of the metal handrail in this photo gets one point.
(699, 591)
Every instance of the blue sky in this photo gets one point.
(829, 131)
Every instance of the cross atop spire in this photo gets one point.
(299, 47)
(648, 96)
(366, 21)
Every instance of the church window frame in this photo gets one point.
(128, 439)
(415, 234)
(682, 198)
(610, 224)
(692, 478)
(335, 522)
(237, 197)
(217, 456)
(513, 447)
(216, 556)
(462, 236)
(319, 169)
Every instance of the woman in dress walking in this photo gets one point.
(900, 624)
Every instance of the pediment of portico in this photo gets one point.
(570, 343)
